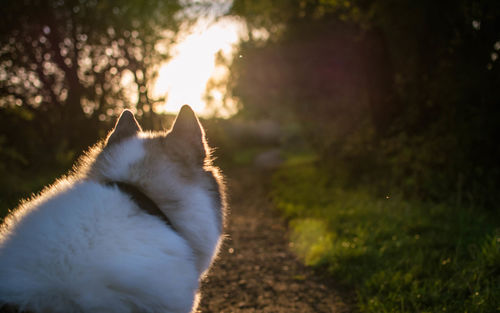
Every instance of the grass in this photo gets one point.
(398, 255)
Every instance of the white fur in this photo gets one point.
(120, 157)
(85, 247)
(194, 215)
(203, 236)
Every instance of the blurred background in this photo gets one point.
(377, 120)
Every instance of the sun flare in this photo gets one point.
(183, 79)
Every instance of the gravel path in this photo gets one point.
(256, 272)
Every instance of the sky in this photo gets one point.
(183, 79)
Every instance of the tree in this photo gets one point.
(71, 65)
(403, 93)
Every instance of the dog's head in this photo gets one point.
(130, 153)
(185, 142)
(170, 166)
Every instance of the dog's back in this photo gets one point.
(85, 245)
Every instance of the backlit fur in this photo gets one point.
(83, 246)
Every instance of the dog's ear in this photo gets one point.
(125, 127)
(187, 128)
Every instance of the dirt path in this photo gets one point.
(256, 272)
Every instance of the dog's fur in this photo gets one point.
(83, 245)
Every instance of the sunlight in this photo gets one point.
(183, 80)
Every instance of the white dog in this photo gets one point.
(132, 229)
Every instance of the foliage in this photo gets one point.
(401, 256)
(401, 93)
(66, 67)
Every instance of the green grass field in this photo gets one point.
(398, 255)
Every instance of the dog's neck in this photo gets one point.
(142, 200)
